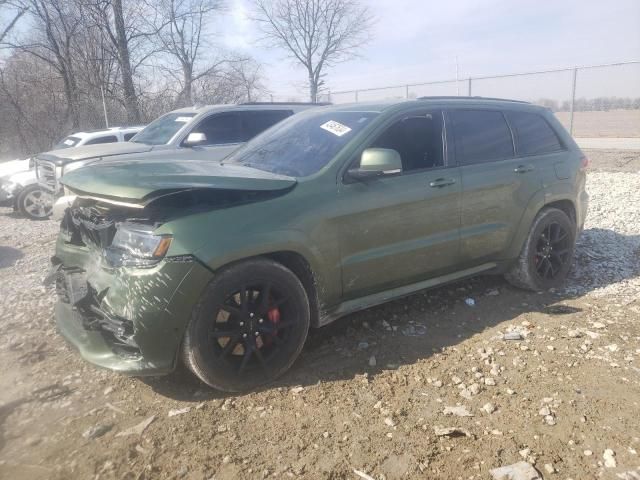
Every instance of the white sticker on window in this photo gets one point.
(68, 141)
(336, 128)
(182, 119)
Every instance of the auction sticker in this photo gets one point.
(336, 128)
(182, 119)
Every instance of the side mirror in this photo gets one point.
(377, 162)
(194, 139)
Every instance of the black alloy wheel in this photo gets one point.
(553, 251)
(249, 326)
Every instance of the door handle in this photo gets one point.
(523, 168)
(442, 182)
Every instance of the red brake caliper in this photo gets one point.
(274, 317)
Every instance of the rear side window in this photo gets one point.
(481, 136)
(534, 136)
(107, 139)
(129, 136)
(256, 122)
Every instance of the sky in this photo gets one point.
(417, 41)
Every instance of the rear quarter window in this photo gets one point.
(534, 136)
(481, 136)
(129, 136)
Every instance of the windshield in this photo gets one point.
(160, 131)
(66, 142)
(303, 144)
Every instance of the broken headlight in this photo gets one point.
(136, 246)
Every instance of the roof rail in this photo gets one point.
(453, 97)
(286, 103)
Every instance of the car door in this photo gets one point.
(398, 230)
(496, 185)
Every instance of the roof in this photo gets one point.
(93, 133)
(383, 105)
(295, 106)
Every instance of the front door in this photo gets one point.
(401, 229)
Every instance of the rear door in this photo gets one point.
(402, 229)
(496, 184)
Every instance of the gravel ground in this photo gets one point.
(424, 387)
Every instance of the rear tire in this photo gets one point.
(547, 254)
(249, 326)
(33, 203)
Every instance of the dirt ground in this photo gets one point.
(368, 392)
(614, 123)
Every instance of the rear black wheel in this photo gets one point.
(249, 326)
(547, 255)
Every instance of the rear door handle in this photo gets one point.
(523, 168)
(442, 182)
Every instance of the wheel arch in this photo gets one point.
(301, 267)
(539, 202)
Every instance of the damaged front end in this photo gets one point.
(123, 302)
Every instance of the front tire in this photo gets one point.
(249, 326)
(547, 254)
(33, 203)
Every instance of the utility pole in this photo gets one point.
(104, 107)
(457, 78)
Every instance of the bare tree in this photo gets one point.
(182, 35)
(17, 11)
(123, 25)
(247, 74)
(57, 23)
(316, 33)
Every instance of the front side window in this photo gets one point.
(67, 142)
(163, 129)
(221, 129)
(418, 139)
(302, 144)
(534, 136)
(106, 139)
(481, 136)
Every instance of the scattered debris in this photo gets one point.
(96, 431)
(173, 413)
(470, 301)
(451, 432)
(513, 336)
(414, 330)
(489, 408)
(460, 411)
(517, 471)
(297, 390)
(372, 361)
(361, 474)
(609, 458)
(137, 429)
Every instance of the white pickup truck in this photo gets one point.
(18, 182)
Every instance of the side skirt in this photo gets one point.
(362, 303)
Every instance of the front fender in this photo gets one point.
(325, 270)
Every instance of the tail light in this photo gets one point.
(584, 163)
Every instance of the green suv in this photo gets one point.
(225, 266)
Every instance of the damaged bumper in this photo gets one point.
(125, 319)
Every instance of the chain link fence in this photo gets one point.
(591, 101)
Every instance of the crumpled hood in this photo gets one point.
(67, 155)
(140, 181)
